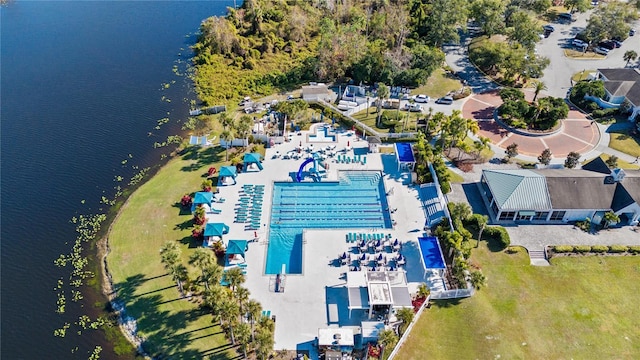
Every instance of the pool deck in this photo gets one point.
(317, 298)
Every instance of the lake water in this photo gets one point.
(81, 92)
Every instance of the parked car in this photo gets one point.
(445, 100)
(565, 17)
(601, 51)
(422, 98)
(549, 28)
(578, 43)
(415, 108)
(632, 32)
(607, 44)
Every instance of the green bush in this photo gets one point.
(616, 249)
(591, 106)
(499, 234)
(599, 248)
(599, 113)
(562, 249)
(634, 249)
(582, 248)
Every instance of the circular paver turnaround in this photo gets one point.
(577, 134)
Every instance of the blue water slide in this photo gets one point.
(299, 176)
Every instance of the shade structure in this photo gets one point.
(203, 197)
(216, 229)
(252, 158)
(236, 247)
(228, 171)
(430, 253)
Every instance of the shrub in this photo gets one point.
(616, 249)
(599, 113)
(582, 248)
(499, 234)
(634, 249)
(591, 106)
(584, 225)
(562, 249)
(599, 248)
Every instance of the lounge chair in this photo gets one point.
(364, 160)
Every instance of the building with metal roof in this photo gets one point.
(562, 195)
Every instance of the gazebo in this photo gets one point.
(252, 158)
(227, 175)
(203, 197)
(404, 156)
(235, 252)
(215, 229)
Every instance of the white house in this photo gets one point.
(621, 85)
(562, 195)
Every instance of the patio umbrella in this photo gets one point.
(300, 143)
(378, 243)
(344, 255)
(363, 257)
(380, 257)
(395, 242)
(348, 143)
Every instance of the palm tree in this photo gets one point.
(383, 93)
(406, 316)
(253, 309)
(226, 121)
(538, 86)
(482, 223)
(211, 275)
(609, 218)
(235, 277)
(180, 275)
(227, 136)
(264, 342)
(229, 313)
(242, 295)
(202, 258)
(243, 334)
(244, 127)
(423, 291)
(481, 144)
(169, 254)
(628, 56)
(478, 280)
(387, 339)
(213, 299)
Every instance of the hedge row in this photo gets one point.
(581, 249)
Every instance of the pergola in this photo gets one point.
(227, 172)
(252, 158)
(235, 249)
(377, 288)
(203, 197)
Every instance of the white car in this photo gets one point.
(422, 98)
(415, 108)
(579, 43)
(601, 51)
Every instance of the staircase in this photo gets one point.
(538, 257)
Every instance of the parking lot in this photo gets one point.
(557, 76)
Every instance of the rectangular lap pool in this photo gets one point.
(357, 201)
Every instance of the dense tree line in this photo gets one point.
(267, 45)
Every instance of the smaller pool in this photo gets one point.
(431, 253)
(405, 153)
(322, 135)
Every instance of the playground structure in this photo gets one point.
(316, 172)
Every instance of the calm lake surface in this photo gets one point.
(81, 91)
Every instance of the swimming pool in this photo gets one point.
(431, 253)
(357, 201)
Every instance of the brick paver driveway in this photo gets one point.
(577, 134)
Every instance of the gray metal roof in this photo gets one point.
(518, 189)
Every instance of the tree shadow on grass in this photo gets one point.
(191, 242)
(187, 224)
(202, 157)
(446, 303)
(183, 210)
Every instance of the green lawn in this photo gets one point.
(370, 119)
(624, 142)
(438, 85)
(172, 326)
(621, 163)
(578, 308)
(454, 177)
(582, 75)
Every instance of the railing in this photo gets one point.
(366, 128)
(408, 330)
(452, 294)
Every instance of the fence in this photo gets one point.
(452, 294)
(408, 330)
(365, 128)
